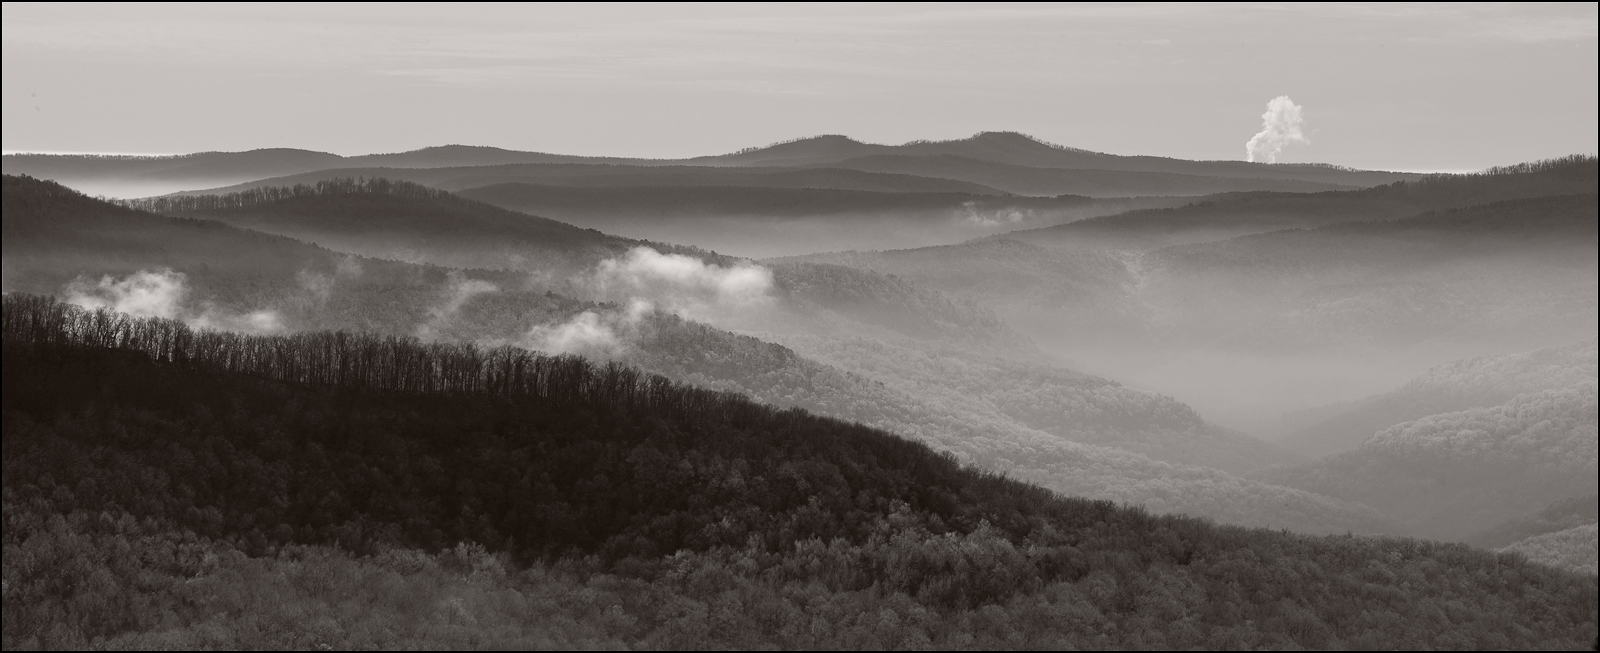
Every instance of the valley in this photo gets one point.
(1347, 358)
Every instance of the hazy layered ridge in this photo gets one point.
(1022, 150)
(1573, 549)
(456, 178)
(1247, 328)
(761, 222)
(1455, 474)
(1109, 175)
(407, 222)
(309, 287)
(1561, 515)
(755, 212)
(400, 220)
(1459, 385)
(1513, 271)
(1051, 180)
(860, 303)
(1230, 215)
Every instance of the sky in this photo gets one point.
(1437, 87)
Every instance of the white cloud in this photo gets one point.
(141, 294)
(163, 294)
(682, 284)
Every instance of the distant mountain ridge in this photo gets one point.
(124, 176)
(1225, 216)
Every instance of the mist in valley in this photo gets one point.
(896, 388)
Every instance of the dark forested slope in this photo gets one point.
(138, 478)
(56, 240)
(406, 221)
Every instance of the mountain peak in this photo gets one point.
(810, 147)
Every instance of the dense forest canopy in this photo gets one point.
(173, 456)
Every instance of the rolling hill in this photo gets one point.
(1016, 149)
(213, 273)
(1237, 214)
(1460, 385)
(761, 221)
(457, 178)
(1456, 474)
(1045, 181)
(139, 176)
(224, 492)
(1516, 271)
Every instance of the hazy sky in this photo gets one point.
(1431, 87)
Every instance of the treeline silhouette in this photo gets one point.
(360, 360)
(171, 488)
(1571, 163)
(266, 194)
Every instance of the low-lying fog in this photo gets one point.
(1257, 393)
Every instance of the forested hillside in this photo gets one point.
(404, 221)
(1558, 516)
(1065, 404)
(1459, 385)
(924, 400)
(1080, 292)
(58, 241)
(210, 274)
(1455, 474)
(166, 487)
(1573, 549)
(400, 220)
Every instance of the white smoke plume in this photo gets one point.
(1280, 126)
(161, 293)
(682, 284)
